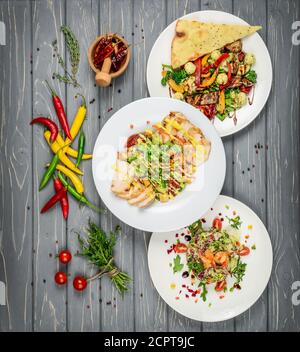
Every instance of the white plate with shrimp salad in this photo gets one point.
(230, 109)
(216, 268)
(157, 164)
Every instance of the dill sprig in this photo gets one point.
(97, 248)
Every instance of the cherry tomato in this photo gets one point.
(244, 251)
(180, 248)
(79, 283)
(132, 140)
(65, 256)
(217, 224)
(61, 278)
(220, 286)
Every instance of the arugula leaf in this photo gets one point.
(239, 271)
(177, 75)
(251, 76)
(235, 222)
(177, 265)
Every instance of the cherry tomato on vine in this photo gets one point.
(60, 278)
(79, 283)
(65, 256)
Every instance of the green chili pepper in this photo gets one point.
(80, 197)
(81, 144)
(49, 172)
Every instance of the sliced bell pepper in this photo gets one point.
(208, 82)
(222, 101)
(204, 59)
(220, 59)
(176, 87)
(198, 72)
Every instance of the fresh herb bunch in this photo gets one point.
(235, 222)
(177, 75)
(74, 57)
(97, 248)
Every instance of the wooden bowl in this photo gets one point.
(104, 79)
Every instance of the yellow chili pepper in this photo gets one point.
(204, 59)
(78, 121)
(70, 151)
(73, 177)
(176, 87)
(222, 101)
(57, 149)
(208, 82)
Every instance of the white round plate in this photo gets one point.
(161, 54)
(186, 207)
(218, 306)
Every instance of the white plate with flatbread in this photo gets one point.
(161, 54)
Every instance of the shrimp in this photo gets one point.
(222, 258)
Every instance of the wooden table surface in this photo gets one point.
(262, 167)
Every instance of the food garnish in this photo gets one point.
(97, 248)
(61, 278)
(212, 256)
(158, 163)
(207, 72)
(74, 58)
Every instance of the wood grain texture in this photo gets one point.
(83, 308)
(282, 158)
(117, 314)
(29, 241)
(49, 230)
(250, 167)
(16, 168)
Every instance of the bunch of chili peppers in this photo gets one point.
(61, 149)
(110, 46)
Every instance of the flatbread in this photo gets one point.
(194, 39)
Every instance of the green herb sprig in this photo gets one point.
(235, 222)
(177, 265)
(97, 248)
(74, 58)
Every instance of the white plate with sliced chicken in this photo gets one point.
(216, 62)
(158, 165)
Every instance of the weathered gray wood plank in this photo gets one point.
(150, 310)
(283, 165)
(250, 168)
(16, 168)
(83, 308)
(49, 232)
(117, 314)
(176, 9)
(225, 5)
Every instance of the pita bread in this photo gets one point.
(194, 39)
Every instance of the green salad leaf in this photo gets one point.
(177, 75)
(177, 265)
(251, 76)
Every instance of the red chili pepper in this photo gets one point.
(53, 200)
(52, 126)
(198, 72)
(64, 202)
(60, 111)
(108, 50)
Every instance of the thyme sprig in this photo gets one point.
(74, 58)
(97, 248)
